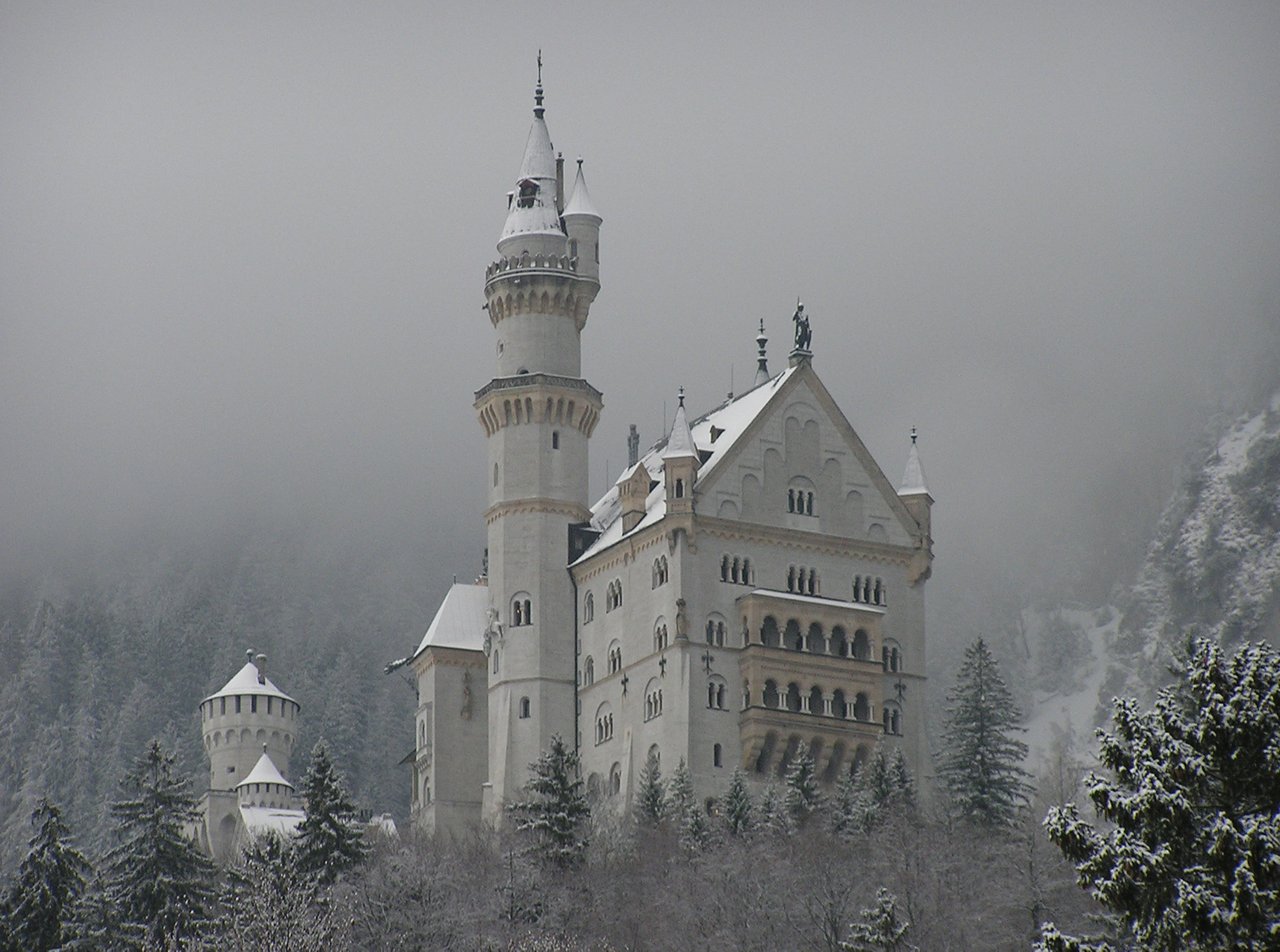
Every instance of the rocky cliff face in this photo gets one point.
(1213, 567)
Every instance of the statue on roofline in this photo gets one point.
(804, 334)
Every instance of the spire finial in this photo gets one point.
(680, 396)
(913, 436)
(537, 90)
(762, 357)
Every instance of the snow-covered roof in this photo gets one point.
(460, 621)
(264, 771)
(913, 477)
(728, 422)
(580, 202)
(259, 820)
(246, 682)
(542, 215)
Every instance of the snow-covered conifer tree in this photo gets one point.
(880, 928)
(330, 839)
(272, 904)
(736, 806)
(982, 766)
(1190, 854)
(651, 797)
(155, 875)
(50, 880)
(555, 808)
(803, 796)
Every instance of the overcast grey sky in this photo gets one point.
(242, 245)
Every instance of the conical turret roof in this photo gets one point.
(248, 680)
(680, 443)
(534, 209)
(580, 202)
(265, 771)
(913, 476)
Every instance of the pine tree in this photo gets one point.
(773, 818)
(330, 840)
(272, 904)
(982, 767)
(690, 818)
(50, 881)
(880, 929)
(155, 875)
(651, 798)
(802, 796)
(681, 791)
(556, 811)
(736, 808)
(849, 812)
(882, 786)
(96, 925)
(1190, 855)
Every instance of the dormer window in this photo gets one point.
(528, 193)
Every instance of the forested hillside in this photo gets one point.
(117, 646)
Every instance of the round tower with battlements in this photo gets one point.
(248, 718)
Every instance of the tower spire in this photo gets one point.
(762, 358)
(537, 90)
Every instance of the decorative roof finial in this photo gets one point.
(913, 436)
(762, 359)
(537, 90)
(680, 395)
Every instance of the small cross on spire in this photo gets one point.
(913, 436)
(680, 395)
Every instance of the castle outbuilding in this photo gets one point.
(751, 582)
(249, 729)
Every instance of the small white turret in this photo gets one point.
(915, 494)
(680, 462)
(265, 786)
(582, 222)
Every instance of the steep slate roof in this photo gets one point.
(913, 477)
(731, 419)
(264, 771)
(246, 682)
(538, 165)
(460, 621)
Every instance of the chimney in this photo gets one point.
(560, 183)
(262, 668)
(633, 446)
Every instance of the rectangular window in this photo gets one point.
(269, 699)
(237, 703)
(253, 704)
(224, 705)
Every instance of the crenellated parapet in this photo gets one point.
(539, 284)
(538, 398)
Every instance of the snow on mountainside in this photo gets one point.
(1213, 568)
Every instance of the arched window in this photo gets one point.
(769, 632)
(724, 569)
(524, 708)
(679, 488)
(717, 693)
(771, 698)
(716, 630)
(613, 595)
(791, 578)
(746, 571)
(652, 700)
(495, 660)
(793, 697)
(717, 756)
(495, 474)
(800, 496)
(615, 657)
(891, 657)
(660, 636)
(861, 645)
(521, 610)
(892, 718)
(816, 705)
(604, 723)
(861, 708)
(588, 608)
(839, 642)
(588, 671)
(839, 707)
(792, 640)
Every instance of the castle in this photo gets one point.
(751, 582)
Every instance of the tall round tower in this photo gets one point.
(249, 717)
(538, 414)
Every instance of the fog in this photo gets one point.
(242, 248)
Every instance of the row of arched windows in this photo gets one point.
(815, 639)
(869, 591)
(613, 595)
(521, 611)
(660, 575)
(800, 501)
(737, 570)
(816, 701)
(803, 581)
